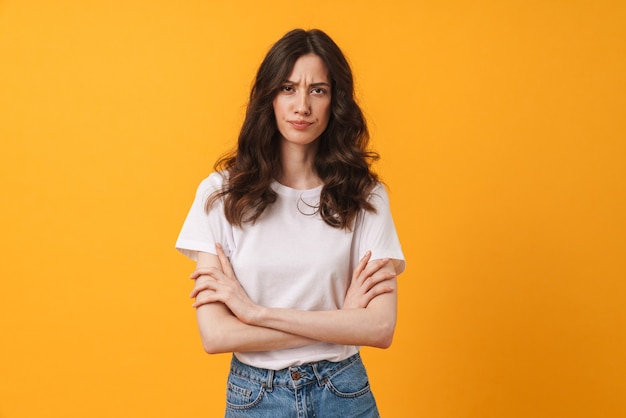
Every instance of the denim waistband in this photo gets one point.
(294, 376)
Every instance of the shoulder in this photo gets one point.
(215, 181)
(378, 195)
(216, 178)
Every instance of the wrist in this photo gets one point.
(257, 313)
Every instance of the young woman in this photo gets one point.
(296, 250)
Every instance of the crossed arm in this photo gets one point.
(229, 320)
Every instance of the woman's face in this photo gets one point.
(302, 106)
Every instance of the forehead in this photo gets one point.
(308, 67)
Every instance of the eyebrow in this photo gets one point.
(320, 84)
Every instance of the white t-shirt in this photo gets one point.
(290, 258)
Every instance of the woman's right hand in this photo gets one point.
(368, 281)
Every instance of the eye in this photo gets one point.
(318, 91)
(286, 89)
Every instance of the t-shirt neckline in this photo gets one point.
(283, 190)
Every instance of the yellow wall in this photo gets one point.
(502, 126)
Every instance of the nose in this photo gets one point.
(303, 107)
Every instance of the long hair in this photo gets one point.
(342, 161)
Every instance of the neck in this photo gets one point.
(298, 168)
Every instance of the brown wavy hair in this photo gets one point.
(343, 161)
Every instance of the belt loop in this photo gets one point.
(320, 380)
(270, 379)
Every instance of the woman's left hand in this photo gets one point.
(224, 287)
(369, 280)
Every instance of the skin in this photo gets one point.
(228, 319)
(367, 317)
(302, 108)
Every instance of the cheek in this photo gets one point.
(276, 105)
(326, 113)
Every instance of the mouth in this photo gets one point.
(300, 124)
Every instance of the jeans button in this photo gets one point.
(296, 375)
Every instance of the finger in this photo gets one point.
(374, 266)
(204, 300)
(378, 278)
(377, 291)
(224, 261)
(361, 266)
(208, 285)
(203, 271)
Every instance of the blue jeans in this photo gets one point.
(322, 389)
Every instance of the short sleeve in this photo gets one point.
(376, 231)
(201, 229)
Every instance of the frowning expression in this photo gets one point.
(302, 106)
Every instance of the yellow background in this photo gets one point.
(502, 126)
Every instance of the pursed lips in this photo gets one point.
(300, 124)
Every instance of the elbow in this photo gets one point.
(383, 336)
(211, 348)
(213, 343)
(384, 342)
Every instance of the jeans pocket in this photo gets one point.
(349, 382)
(242, 393)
